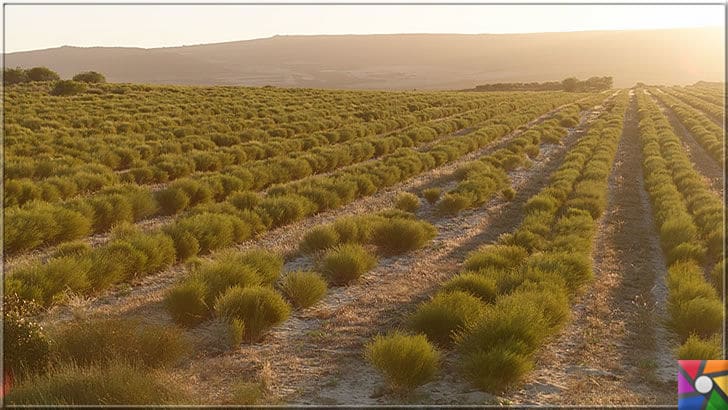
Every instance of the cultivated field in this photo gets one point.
(230, 245)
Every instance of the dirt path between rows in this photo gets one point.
(702, 161)
(615, 351)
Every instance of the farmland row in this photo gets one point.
(711, 95)
(38, 224)
(709, 136)
(488, 310)
(218, 225)
(711, 110)
(186, 155)
(689, 219)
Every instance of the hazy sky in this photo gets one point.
(31, 27)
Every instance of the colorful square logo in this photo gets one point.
(702, 385)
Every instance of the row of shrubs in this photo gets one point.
(702, 102)
(480, 179)
(214, 226)
(703, 129)
(694, 306)
(99, 148)
(190, 192)
(88, 361)
(513, 295)
(705, 207)
(169, 162)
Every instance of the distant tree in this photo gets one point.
(14, 76)
(570, 84)
(42, 74)
(68, 87)
(90, 77)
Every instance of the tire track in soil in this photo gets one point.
(701, 160)
(144, 297)
(615, 351)
(315, 356)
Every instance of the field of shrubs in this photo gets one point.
(231, 245)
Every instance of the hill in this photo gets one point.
(404, 61)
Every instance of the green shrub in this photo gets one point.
(102, 385)
(259, 308)
(244, 200)
(42, 74)
(445, 314)
(285, 209)
(90, 77)
(496, 256)
(68, 87)
(493, 369)
(697, 348)
(453, 203)
(267, 264)
(520, 327)
(407, 202)
(77, 248)
(700, 315)
(46, 283)
(406, 361)
(87, 342)
(185, 244)
(478, 285)
(397, 236)
(356, 229)
(432, 195)
(186, 302)
(247, 393)
(319, 238)
(26, 348)
(574, 268)
(303, 289)
(172, 200)
(345, 263)
(224, 273)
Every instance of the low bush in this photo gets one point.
(90, 77)
(247, 393)
(496, 256)
(115, 383)
(432, 195)
(407, 202)
(259, 308)
(303, 289)
(87, 342)
(494, 369)
(717, 275)
(697, 348)
(186, 303)
(76, 248)
(445, 314)
(406, 361)
(700, 315)
(26, 347)
(453, 203)
(225, 273)
(172, 200)
(68, 87)
(267, 264)
(397, 236)
(478, 285)
(244, 200)
(319, 238)
(346, 263)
